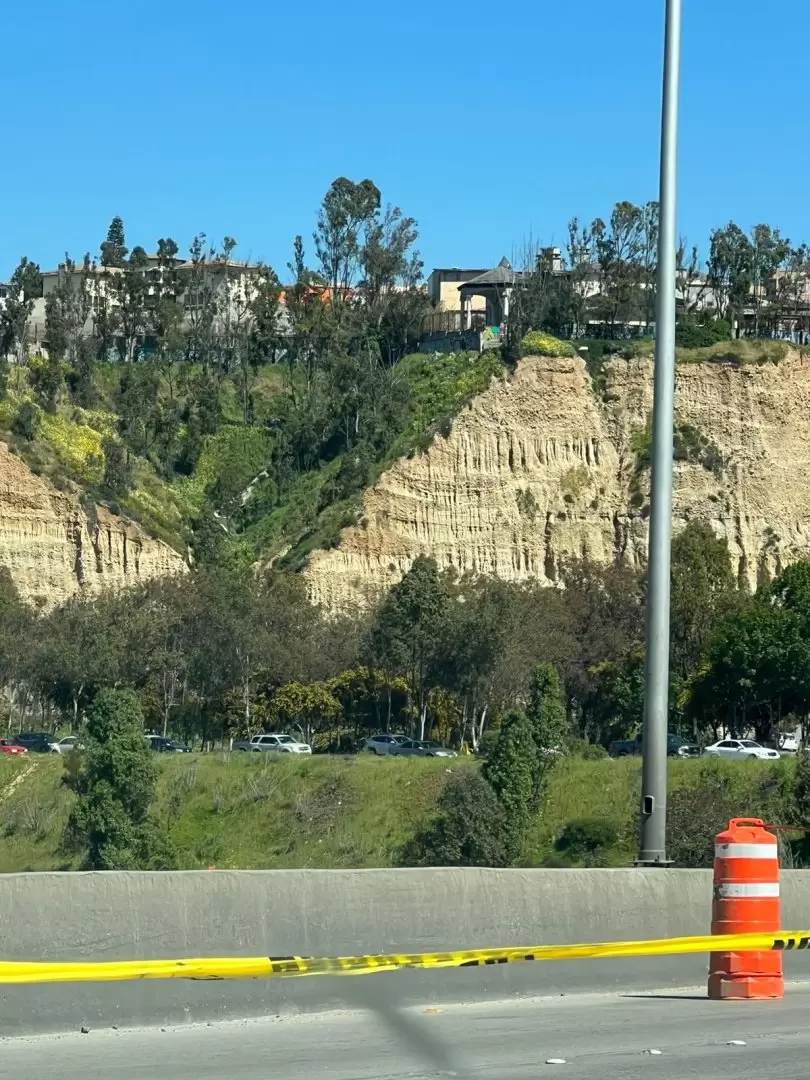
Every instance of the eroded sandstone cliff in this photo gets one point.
(55, 548)
(545, 466)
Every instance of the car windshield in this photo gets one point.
(430, 745)
(748, 742)
(285, 738)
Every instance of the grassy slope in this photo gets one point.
(252, 812)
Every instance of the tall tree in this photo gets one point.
(67, 311)
(347, 210)
(510, 770)
(115, 788)
(114, 249)
(546, 711)
(409, 635)
(25, 287)
(729, 270)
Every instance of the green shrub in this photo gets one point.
(536, 343)
(26, 422)
(590, 751)
(690, 334)
(469, 831)
(587, 837)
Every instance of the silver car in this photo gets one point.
(384, 744)
(422, 748)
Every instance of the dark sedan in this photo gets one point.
(167, 746)
(39, 742)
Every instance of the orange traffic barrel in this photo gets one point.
(746, 901)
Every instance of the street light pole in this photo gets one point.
(656, 675)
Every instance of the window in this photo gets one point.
(728, 744)
(268, 740)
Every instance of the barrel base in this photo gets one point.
(724, 987)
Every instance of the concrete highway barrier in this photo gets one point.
(127, 916)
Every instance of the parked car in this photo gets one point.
(167, 746)
(745, 749)
(677, 746)
(422, 748)
(64, 746)
(8, 746)
(37, 741)
(788, 744)
(284, 744)
(384, 744)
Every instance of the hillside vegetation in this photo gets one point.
(244, 812)
(170, 448)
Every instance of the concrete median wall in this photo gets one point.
(109, 916)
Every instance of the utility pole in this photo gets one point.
(656, 674)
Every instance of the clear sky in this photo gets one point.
(487, 122)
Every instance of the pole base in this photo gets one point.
(664, 863)
(723, 987)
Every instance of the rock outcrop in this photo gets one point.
(546, 466)
(55, 548)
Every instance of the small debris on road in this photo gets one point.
(735, 1042)
(555, 1061)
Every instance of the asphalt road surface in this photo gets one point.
(597, 1036)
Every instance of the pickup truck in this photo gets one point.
(284, 744)
(677, 746)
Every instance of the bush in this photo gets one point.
(26, 422)
(586, 838)
(690, 334)
(469, 831)
(589, 751)
(536, 343)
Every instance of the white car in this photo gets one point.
(64, 746)
(746, 749)
(262, 744)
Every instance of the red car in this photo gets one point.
(7, 746)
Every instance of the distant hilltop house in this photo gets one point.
(471, 307)
(228, 281)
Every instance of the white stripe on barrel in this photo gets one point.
(732, 891)
(746, 851)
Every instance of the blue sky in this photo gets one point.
(486, 122)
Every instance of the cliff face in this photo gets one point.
(54, 548)
(544, 467)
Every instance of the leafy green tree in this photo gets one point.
(115, 788)
(114, 249)
(409, 634)
(347, 210)
(548, 721)
(770, 252)
(67, 311)
(46, 374)
(25, 287)
(470, 829)
(703, 593)
(511, 770)
(310, 707)
(729, 270)
(117, 469)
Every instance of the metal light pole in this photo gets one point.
(656, 674)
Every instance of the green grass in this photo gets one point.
(738, 352)
(263, 812)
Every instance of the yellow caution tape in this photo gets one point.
(263, 967)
